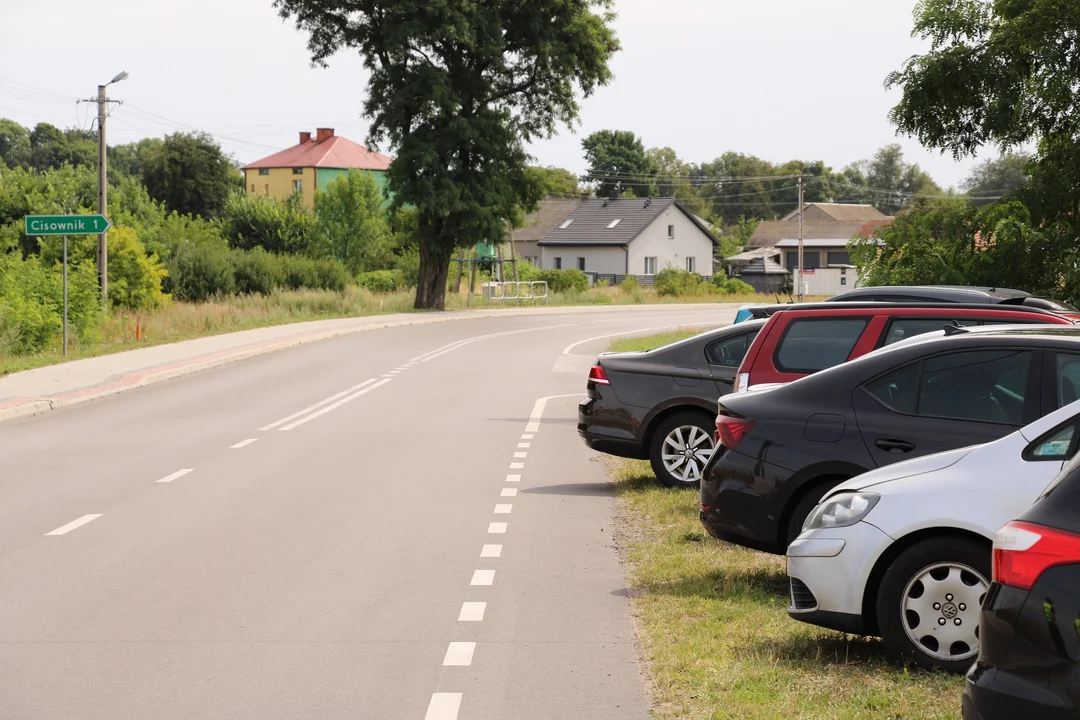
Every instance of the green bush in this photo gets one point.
(565, 280)
(630, 284)
(135, 277)
(332, 275)
(200, 272)
(680, 283)
(733, 286)
(257, 272)
(278, 226)
(382, 281)
(32, 303)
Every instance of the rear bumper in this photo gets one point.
(994, 694)
(602, 430)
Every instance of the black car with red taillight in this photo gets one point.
(660, 404)
(781, 449)
(1029, 628)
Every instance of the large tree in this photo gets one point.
(456, 89)
(997, 177)
(190, 174)
(1000, 73)
(618, 163)
(888, 182)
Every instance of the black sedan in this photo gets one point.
(1029, 654)
(784, 447)
(660, 404)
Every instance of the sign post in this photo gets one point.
(66, 225)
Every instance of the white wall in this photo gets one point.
(525, 250)
(689, 241)
(598, 259)
(828, 281)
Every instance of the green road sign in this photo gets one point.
(66, 224)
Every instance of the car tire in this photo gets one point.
(927, 596)
(805, 507)
(675, 435)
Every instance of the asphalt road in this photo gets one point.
(393, 524)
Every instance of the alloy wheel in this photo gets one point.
(686, 450)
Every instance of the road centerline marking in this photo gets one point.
(243, 443)
(527, 436)
(459, 654)
(472, 612)
(524, 445)
(513, 478)
(491, 551)
(497, 528)
(503, 509)
(175, 476)
(443, 706)
(508, 492)
(78, 523)
(517, 466)
(316, 406)
(335, 406)
(521, 455)
(483, 577)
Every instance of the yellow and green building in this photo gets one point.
(312, 165)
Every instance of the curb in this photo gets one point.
(28, 406)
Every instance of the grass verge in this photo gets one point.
(718, 643)
(632, 344)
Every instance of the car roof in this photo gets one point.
(891, 307)
(948, 293)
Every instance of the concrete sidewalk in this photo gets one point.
(35, 391)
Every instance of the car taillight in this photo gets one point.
(598, 376)
(742, 382)
(731, 430)
(1023, 552)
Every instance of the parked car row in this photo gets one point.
(885, 446)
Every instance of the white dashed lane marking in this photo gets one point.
(443, 706)
(491, 551)
(472, 612)
(521, 455)
(65, 529)
(459, 654)
(175, 476)
(503, 509)
(483, 577)
(508, 492)
(524, 445)
(497, 528)
(513, 478)
(243, 443)
(517, 466)
(527, 436)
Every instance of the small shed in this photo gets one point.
(766, 276)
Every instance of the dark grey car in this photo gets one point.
(660, 404)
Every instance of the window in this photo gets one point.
(987, 385)
(903, 328)
(264, 171)
(558, 263)
(581, 263)
(298, 186)
(671, 231)
(1054, 445)
(811, 259)
(691, 264)
(839, 257)
(812, 344)
(566, 223)
(650, 266)
(729, 352)
(897, 390)
(298, 171)
(614, 222)
(1068, 375)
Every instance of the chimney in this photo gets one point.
(323, 134)
(305, 137)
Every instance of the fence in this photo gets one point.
(595, 278)
(516, 291)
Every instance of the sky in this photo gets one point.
(780, 79)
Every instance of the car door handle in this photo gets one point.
(894, 445)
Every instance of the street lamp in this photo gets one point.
(103, 186)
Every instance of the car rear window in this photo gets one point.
(729, 352)
(903, 328)
(812, 344)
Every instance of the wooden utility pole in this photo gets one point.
(472, 276)
(799, 289)
(460, 272)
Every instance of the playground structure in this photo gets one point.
(488, 257)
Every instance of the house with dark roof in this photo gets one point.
(311, 165)
(549, 214)
(629, 237)
(827, 229)
(835, 212)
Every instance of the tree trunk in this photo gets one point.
(434, 270)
